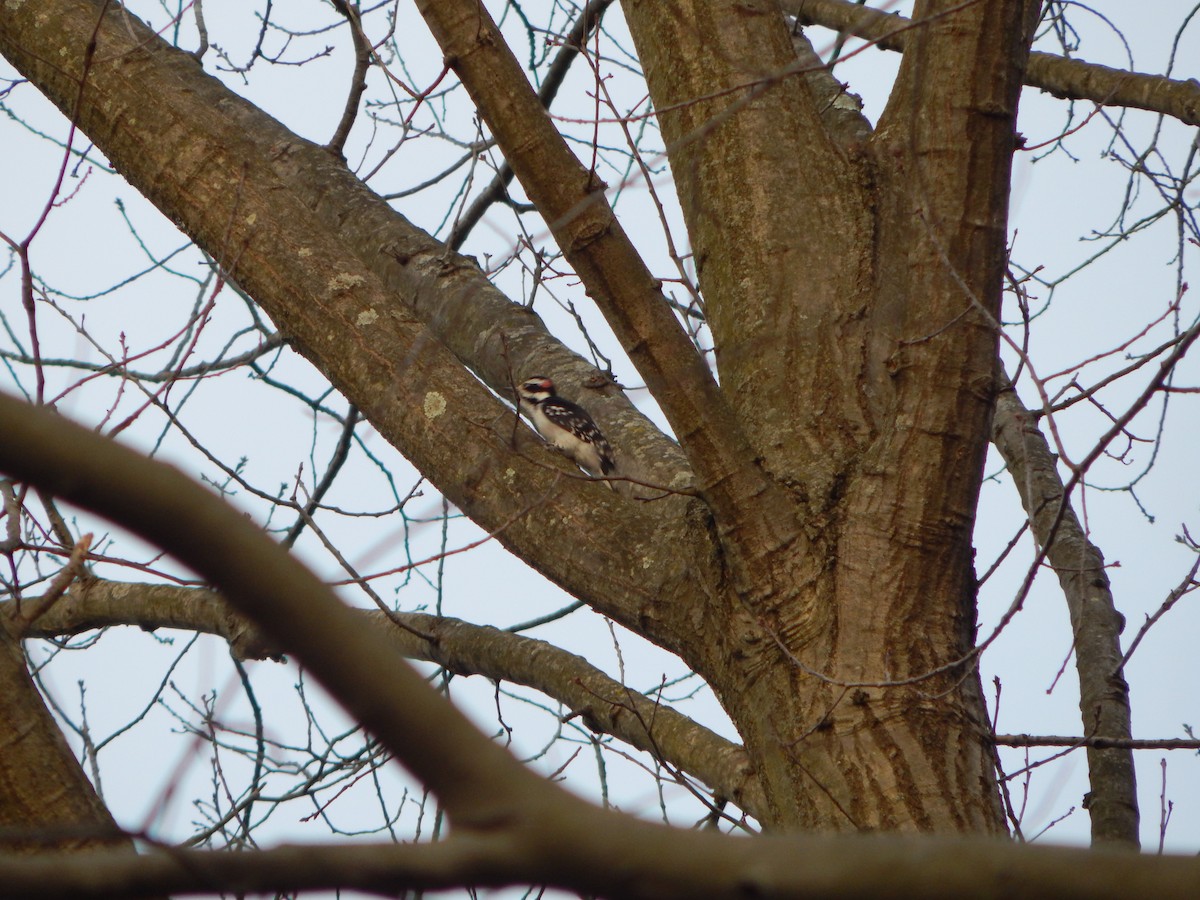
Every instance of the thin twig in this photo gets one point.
(72, 570)
(358, 82)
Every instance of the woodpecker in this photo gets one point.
(567, 426)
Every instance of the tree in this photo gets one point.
(806, 546)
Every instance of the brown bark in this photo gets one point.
(840, 459)
(871, 268)
(285, 218)
(46, 801)
(1071, 79)
(1095, 622)
(769, 201)
(465, 649)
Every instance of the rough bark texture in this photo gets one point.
(1095, 622)
(873, 269)
(44, 795)
(284, 217)
(822, 581)
(465, 649)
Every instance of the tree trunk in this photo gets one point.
(44, 794)
(853, 313)
(823, 580)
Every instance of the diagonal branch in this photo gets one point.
(753, 514)
(497, 189)
(478, 782)
(1071, 79)
(647, 862)
(265, 203)
(463, 648)
(1103, 692)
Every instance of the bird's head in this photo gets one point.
(536, 388)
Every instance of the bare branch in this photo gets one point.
(647, 862)
(1186, 586)
(474, 778)
(358, 81)
(1100, 743)
(34, 609)
(1071, 79)
(1095, 622)
(571, 200)
(587, 20)
(606, 705)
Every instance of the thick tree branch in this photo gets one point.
(279, 213)
(509, 825)
(475, 779)
(46, 800)
(646, 862)
(587, 21)
(1072, 79)
(358, 81)
(1095, 622)
(463, 648)
(571, 200)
